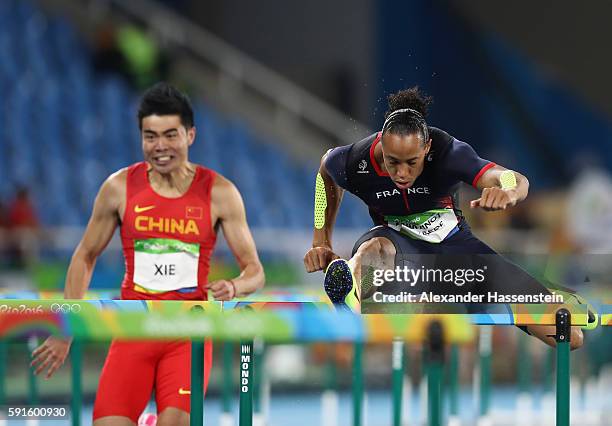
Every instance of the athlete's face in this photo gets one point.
(404, 157)
(165, 142)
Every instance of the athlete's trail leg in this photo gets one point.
(543, 332)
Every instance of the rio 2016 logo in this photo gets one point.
(54, 308)
(21, 309)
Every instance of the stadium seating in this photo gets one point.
(66, 128)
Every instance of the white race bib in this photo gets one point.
(432, 226)
(162, 264)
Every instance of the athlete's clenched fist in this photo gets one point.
(317, 258)
(495, 199)
(222, 289)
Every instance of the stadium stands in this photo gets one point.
(66, 128)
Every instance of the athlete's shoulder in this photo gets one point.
(222, 183)
(436, 132)
(120, 174)
(363, 146)
(116, 181)
(224, 190)
(135, 168)
(440, 139)
(226, 200)
(444, 146)
(356, 151)
(113, 190)
(456, 158)
(341, 161)
(204, 169)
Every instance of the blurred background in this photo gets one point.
(274, 85)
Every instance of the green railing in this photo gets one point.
(280, 323)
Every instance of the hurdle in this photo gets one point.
(159, 320)
(226, 386)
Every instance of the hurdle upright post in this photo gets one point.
(485, 343)
(197, 383)
(226, 386)
(246, 384)
(435, 359)
(563, 321)
(76, 401)
(258, 382)
(358, 384)
(196, 399)
(329, 397)
(453, 384)
(397, 363)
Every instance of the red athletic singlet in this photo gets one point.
(167, 242)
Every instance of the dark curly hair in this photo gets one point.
(407, 111)
(164, 99)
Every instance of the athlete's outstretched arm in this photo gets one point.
(328, 197)
(104, 219)
(229, 209)
(501, 188)
(102, 224)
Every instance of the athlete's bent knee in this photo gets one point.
(173, 417)
(370, 246)
(379, 246)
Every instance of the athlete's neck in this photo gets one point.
(173, 184)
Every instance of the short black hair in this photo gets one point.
(164, 99)
(407, 111)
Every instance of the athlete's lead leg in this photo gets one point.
(344, 279)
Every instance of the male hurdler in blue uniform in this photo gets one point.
(407, 174)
